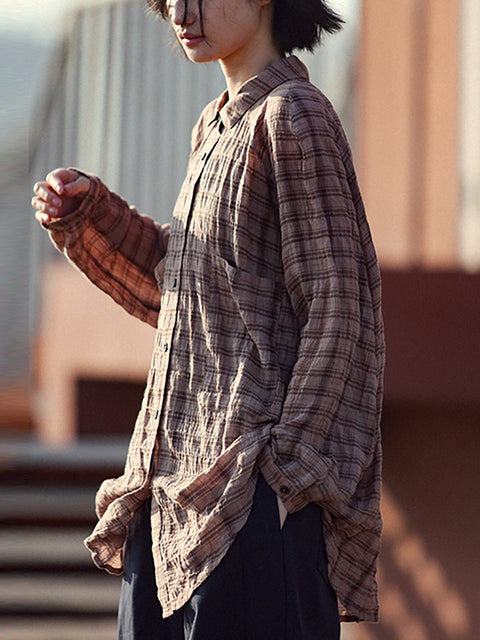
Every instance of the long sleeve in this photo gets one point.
(116, 248)
(325, 447)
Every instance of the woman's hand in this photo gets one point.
(59, 194)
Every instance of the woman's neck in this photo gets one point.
(252, 60)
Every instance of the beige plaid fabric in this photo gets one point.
(269, 349)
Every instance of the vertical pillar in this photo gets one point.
(441, 211)
(385, 137)
(408, 130)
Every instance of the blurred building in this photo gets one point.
(120, 104)
(418, 141)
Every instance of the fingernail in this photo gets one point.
(57, 202)
(59, 189)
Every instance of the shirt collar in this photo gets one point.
(251, 91)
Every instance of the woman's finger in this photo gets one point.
(43, 191)
(43, 218)
(40, 205)
(59, 178)
(77, 187)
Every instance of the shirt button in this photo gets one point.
(174, 283)
(165, 346)
(284, 490)
(157, 413)
(204, 155)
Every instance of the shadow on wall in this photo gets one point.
(428, 576)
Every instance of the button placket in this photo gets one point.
(208, 147)
(170, 318)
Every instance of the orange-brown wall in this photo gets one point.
(408, 130)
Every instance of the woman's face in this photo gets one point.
(223, 30)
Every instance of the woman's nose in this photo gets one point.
(182, 12)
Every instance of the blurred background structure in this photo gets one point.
(405, 78)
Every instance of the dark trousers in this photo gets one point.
(271, 585)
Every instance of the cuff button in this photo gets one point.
(284, 490)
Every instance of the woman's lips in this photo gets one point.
(191, 39)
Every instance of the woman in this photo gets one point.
(265, 389)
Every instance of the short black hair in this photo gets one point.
(297, 24)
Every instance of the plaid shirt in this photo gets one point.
(269, 348)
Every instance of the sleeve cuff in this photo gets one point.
(302, 479)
